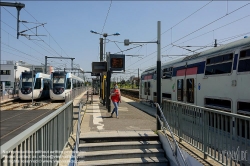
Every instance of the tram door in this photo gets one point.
(186, 83)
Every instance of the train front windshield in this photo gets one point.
(26, 80)
(58, 80)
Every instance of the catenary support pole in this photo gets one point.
(158, 71)
(45, 65)
(32, 84)
(138, 79)
(108, 90)
(101, 59)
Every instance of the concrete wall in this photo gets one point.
(169, 153)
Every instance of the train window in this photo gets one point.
(244, 65)
(219, 65)
(180, 90)
(218, 104)
(245, 54)
(154, 76)
(190, 90)
(145, 88)
(167, 73)
(148, 88)
(68, 83)
(38, 83)
(166, 95)
(244, 108)
(244, 61)
(219, 69)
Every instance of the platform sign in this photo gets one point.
(117, 62)
(99, 67)
(95, 74)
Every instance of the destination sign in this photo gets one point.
(99, 67)
(117, 62)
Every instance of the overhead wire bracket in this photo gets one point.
(29, 36)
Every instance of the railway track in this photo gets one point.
(17, 105)
(45, 106)
(38, 113)
(132, 94)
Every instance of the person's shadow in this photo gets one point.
(104, 117)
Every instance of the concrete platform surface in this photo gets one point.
(97, 120)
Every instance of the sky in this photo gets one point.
(68, 26)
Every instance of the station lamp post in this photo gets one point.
(105, 35)
(158, 42)
(103, 52)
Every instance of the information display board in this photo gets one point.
(95, 74)
(117, 62)
(99, 67)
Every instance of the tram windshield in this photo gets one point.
(58, 80)
(27, 80)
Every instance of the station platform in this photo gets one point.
(130, 113)
(133, 125)
(130, 139)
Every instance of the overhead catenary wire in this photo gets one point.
(223, 40)
(195, 31)
(23, 42)
(47, 32)
(17, 50)
(34, 34)
(27, 44)
(106, 17)
(216, 29)
(18, 55)
(31, 30)
(175, 26)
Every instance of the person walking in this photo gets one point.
(116, 98)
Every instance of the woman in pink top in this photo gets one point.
(116, 98)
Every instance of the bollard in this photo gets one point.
(92, 98)
(87, 95)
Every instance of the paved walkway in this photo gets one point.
(98, 119)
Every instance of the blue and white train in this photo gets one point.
(62, 83)
(41, 83)
(217, 78)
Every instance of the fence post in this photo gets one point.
(204, 134)
(92, 98)
(179, 122)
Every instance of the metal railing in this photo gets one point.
(42, 143)
(74, 93)
(91, 97)
(78, 130)
(223, 136)
(173, 144)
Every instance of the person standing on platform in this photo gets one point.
(116, 98)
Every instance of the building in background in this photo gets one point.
(11, 71)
